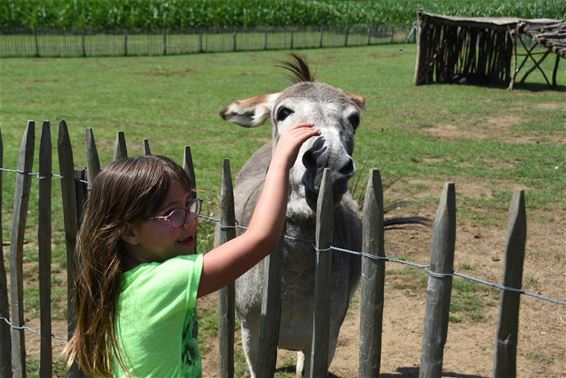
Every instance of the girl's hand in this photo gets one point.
(290, 142)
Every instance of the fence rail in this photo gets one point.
(58, 43)
(75, 184)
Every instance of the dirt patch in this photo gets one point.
(551, 106)
(505, 128)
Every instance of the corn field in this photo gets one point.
(178, 14)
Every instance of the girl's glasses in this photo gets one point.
(179, 217)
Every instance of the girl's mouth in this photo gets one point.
(188, 241)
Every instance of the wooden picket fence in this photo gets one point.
(75, 184)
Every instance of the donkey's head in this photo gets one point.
(335, 112)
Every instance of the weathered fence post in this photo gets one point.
(321, 316)
(508, 327)
(270, 316)
(226, 298)
(373, 279)
(234, 40)
(189, 167)
(369, 34)
(21, 203)
(439, 285)
(120, 149)
(292, 43)
(125, 42)
(265, 40)
(346, 35)
(71, 223)
(164, 41)
(146, 150)
(321, 42)
(92, 160)
(5, 341)
(36, 37)
(44, 247)
(83, 47)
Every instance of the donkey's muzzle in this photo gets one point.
(315, 160)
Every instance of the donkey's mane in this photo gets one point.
(299, 68)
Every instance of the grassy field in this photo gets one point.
(490, 139)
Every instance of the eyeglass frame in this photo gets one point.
(188, 213)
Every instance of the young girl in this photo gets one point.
(138, 275)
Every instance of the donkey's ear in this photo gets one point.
(358, 100)
(251, 112)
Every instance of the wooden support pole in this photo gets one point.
(555, 71)
(321, 317)
(21, 204)
(439, 285)
(226, 301)
(508, 328)
(5, 338)
(373, 279)
(44, 247)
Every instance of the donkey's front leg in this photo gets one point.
(250, 341)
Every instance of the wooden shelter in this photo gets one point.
(483, 50)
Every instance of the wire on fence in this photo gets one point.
(411, 264)
(39, 176)
(21, 328)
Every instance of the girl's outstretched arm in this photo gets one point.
(230, 260)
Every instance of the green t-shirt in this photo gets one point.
(156, 322)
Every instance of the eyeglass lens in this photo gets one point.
(179, 217)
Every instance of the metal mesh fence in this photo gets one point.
(57, 43)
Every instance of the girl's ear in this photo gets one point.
(129, 235)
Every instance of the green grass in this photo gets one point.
(174, 101)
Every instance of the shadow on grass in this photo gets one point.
(411, 372)
(538, 87)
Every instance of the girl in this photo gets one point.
(138, 275)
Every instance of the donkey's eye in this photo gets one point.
(283, 113)
(354, 120)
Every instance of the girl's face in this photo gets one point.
(155, 240)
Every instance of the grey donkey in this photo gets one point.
(337, 114)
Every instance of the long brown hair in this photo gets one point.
(126, 192)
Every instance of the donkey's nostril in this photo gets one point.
(311, 157)
(347, 169)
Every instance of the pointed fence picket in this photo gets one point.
(44, 248)
(76, 183)
(5, 340)
(226, 232)
(21, 203)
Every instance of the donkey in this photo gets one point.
(337, 114)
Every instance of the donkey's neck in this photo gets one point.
(297, 207)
